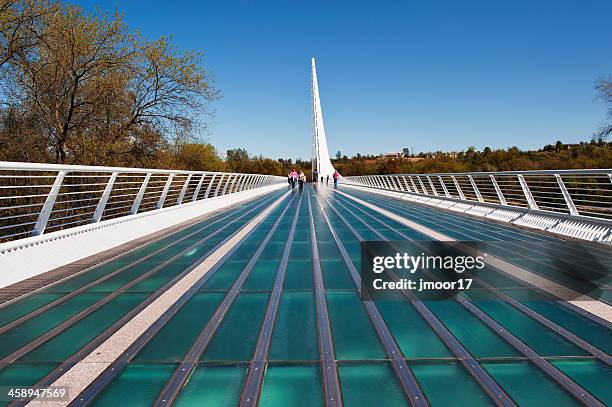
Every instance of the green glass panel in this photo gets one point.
(353, 333)
(224, 277)
(213, 386)
(87, 329)
(365, 385)
(16, 310)
(299, 275)
(449, 384)
(236, 337)
(22, 334)
(23, 375)
(300, 251)
(336, 275)
(537, 390)
(136, 385)
(261, 278)
(295, 328)
(291, 386)
(477, 338)
(587, 329)
(543, 340)
(182, 330)
(414, 337)
(593, 375)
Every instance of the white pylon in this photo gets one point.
(320, 155)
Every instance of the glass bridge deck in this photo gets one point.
(279, 320)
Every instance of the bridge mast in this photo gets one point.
(320, 155)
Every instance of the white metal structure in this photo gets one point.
(320, 154)
(52, 215)
(42, 198)
(575, 203)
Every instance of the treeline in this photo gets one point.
(595, 154)
(80, 87)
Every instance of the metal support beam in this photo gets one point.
(179, 200)
(104, 198)
(530, 201)
(500, 195)
(459, 191)
(140, 194)
(162, 198)
(446, 193)
(219, 185)
(45, 212)
(198, 188)
(476, 190)
(568, 198)
(433, 188)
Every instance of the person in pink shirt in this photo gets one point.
(336, 177)
(294, 177)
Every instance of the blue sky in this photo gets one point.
(425, 74)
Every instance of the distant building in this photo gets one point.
(392, 154)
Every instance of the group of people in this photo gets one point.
(293, 179)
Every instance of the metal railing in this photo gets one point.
(577, 193)
(42, 198)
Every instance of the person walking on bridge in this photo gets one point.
(302, 180)
(294, 177)
(336, 177)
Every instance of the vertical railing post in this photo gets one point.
(198, 188)
(219, 185)
(140, 195)
(422, 185)
(433, 188)
(459, 190)
(530, 201)
(406, 184)
(104, 198)
(227, 183)
(164, 194)
(500, 195)
(476, 190)
(45, 212)
(444, 188)
(209, 187)
(416, 190)
(568, 198)
(181, 196)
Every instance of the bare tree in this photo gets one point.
(604, 94)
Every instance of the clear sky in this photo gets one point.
(424, 74)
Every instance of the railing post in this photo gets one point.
(413, 184)
(446, 193)
(227, 183)
(530, 201)
(500, 195)
(179, 200)
(394, 185)
(162, 198)
(406, 184)
(422, 185)
(198, 188)
(104, 198)
(209, 187)
(45, 212)
(459, 191)
(140, 195)
(432, 185)
(476, 191)
(219, 185)
(566, 195)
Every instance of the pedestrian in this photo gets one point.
(302, 180)
(294, 177)
(326, 180)
(321, 179)
(336, 176)
(289, 180)
(315, 176)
